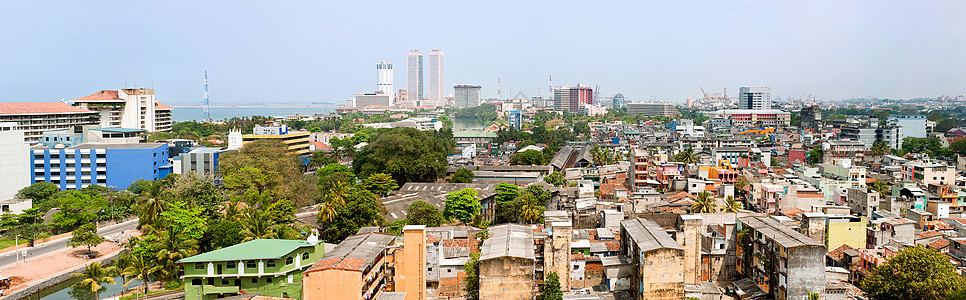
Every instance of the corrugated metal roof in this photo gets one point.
(364, 248)
(648, 235)
(784, 236)
(513, 240)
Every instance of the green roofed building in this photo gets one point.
(270, 268)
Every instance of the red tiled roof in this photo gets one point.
(791, 213)
(158, 105)
(613, 245)
(943, 226)
(939, 244)
(593, 267)
(680, 195)
(323, 265)
(350, 263)
(458, 243)
(839, 253)
(576, 256)
(36, 108)
(431, 239)
(103, 95)
(928, 234)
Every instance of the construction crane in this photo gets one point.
(706, 98)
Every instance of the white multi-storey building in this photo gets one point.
(437, 78)
(384, 78)
(414, 77)
(14, 161)
(754, 98)
(128, 108)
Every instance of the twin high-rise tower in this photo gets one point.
(436, 94)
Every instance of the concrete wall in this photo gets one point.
(332, 284)
(806, 272)
(662, 274)
(411, 270)
(849, 233)
(507, 278)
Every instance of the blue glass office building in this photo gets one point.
(111, 165)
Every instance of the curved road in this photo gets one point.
(8, 259)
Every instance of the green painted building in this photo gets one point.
(269, 267)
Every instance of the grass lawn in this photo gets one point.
(139, 294)
(10, 241)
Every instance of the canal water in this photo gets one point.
(65, 290)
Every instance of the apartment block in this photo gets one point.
(14, 173)
(111, 165)
(658, 259)
(508, 263)
(783, 262)
(355, 269)
(128, 108)
(36, 117)
(926, 174)
(271, 268)
(651, 109)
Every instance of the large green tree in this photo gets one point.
(462, 175)
(556, 178)
(189, 221)
(93, 276)
(267, 167)
(704, 203)
(361, 208)
(77, 208)
(380, 184)
(462, 205)
(507, 208)
(914, 273)
(40, 194)
(550, 288)
(86, 235)
(422, 213)
(529, 157)
(405, 153)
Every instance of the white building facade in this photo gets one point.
(14, 161)
(437, 78)
(466, 95)
(414, 77)
(384, 78)
(754, 98)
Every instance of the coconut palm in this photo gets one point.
(879, 147)
(531, 209)
(151, 203)
(232, 210)
(93, 276)
(141, 268)
(687, 156)
(703, 204)
(880, 186)
(732, 205)
(123, 261)
(172, 247)
(257, 225)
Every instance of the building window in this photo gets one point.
(199, 266)
(268, 279)
(270, 264)
(196, 281)
(305, 256)
(250, 264)
(211, 281)
(224, 282)
(290, 260)
(255, 280)
(230, 265)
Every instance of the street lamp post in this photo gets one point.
(16, 242)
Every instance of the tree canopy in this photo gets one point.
(462, 205)
(462, 175)
(405, 153)
(914, 273)
(361, 209)
(422, 213)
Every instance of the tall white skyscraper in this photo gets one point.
(414, 76)
(754, 97)
(437, 77)
(384, 78)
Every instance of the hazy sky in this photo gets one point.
(290, 51)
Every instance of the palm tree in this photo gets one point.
(172, 248)
(141, 268)
(232, 210)
(257, 225)
(93, 276)
(687, 156)
(879, 147)
(880, 186)
(123, 261)
(704, 203)
(732, 205)
(152, 203)
(532, 209)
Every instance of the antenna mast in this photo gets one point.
(207, 114)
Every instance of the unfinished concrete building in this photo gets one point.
(658, 258)
(507, 263)
(782, 261)
(556, 252)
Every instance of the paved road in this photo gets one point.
(7, 259)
